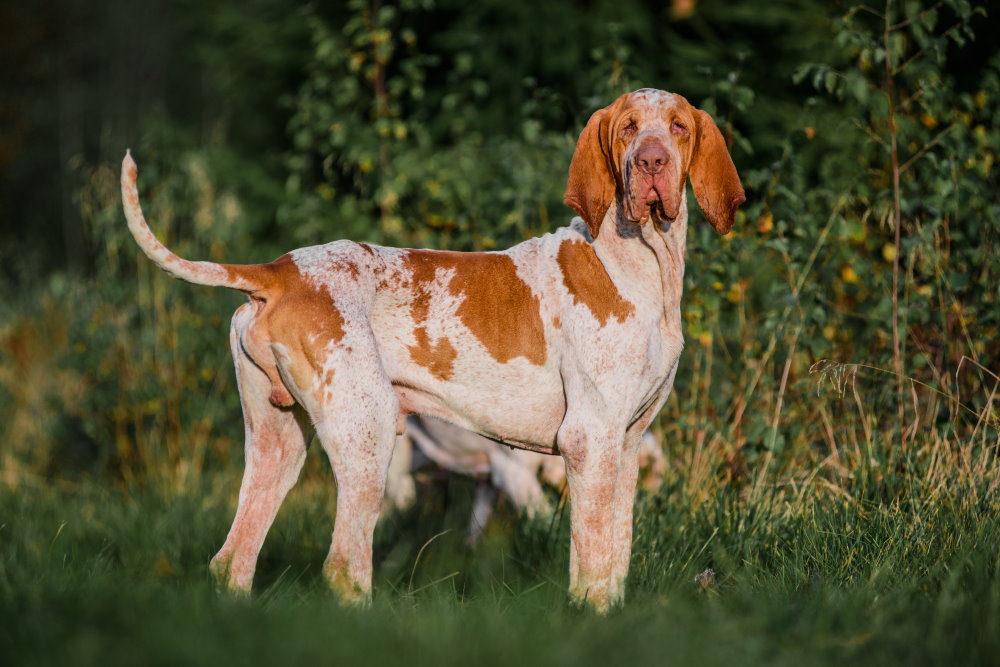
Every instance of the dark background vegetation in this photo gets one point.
(833, 431)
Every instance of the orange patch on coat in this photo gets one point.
(300, 316)
(496, 306)
(589, 283)
(312, 310)
(437, 357)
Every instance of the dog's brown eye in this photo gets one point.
(629, 129)
(678, 128)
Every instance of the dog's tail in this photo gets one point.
(249, 278)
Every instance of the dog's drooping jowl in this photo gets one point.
(566, 344)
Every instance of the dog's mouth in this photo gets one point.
(652, 209)
(651, 196)
(657, 212)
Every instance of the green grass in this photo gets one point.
(880, 574)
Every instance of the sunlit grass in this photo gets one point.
(894, 566)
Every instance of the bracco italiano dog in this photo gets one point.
(567, 344)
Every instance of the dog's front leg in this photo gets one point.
(593, 458)
(621, 513)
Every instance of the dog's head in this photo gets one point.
(640, 151)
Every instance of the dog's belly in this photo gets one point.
(523, 412)
(516, 402)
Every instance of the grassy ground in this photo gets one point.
(899, 568)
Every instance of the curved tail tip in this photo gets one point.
(128, 164)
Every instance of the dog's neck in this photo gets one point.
(649, 258)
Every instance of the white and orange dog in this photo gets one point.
(567, 344)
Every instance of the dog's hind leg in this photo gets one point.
(356, 423)
(483, 505)
(275, 451)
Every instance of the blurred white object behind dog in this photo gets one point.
(517, 473)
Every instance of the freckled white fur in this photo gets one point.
(654, 97)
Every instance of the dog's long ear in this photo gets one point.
(590, 188)
(713, 176)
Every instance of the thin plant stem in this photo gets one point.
(897, 358)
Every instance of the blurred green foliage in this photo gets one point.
(448, 124)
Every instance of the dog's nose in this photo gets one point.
(651, 159)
